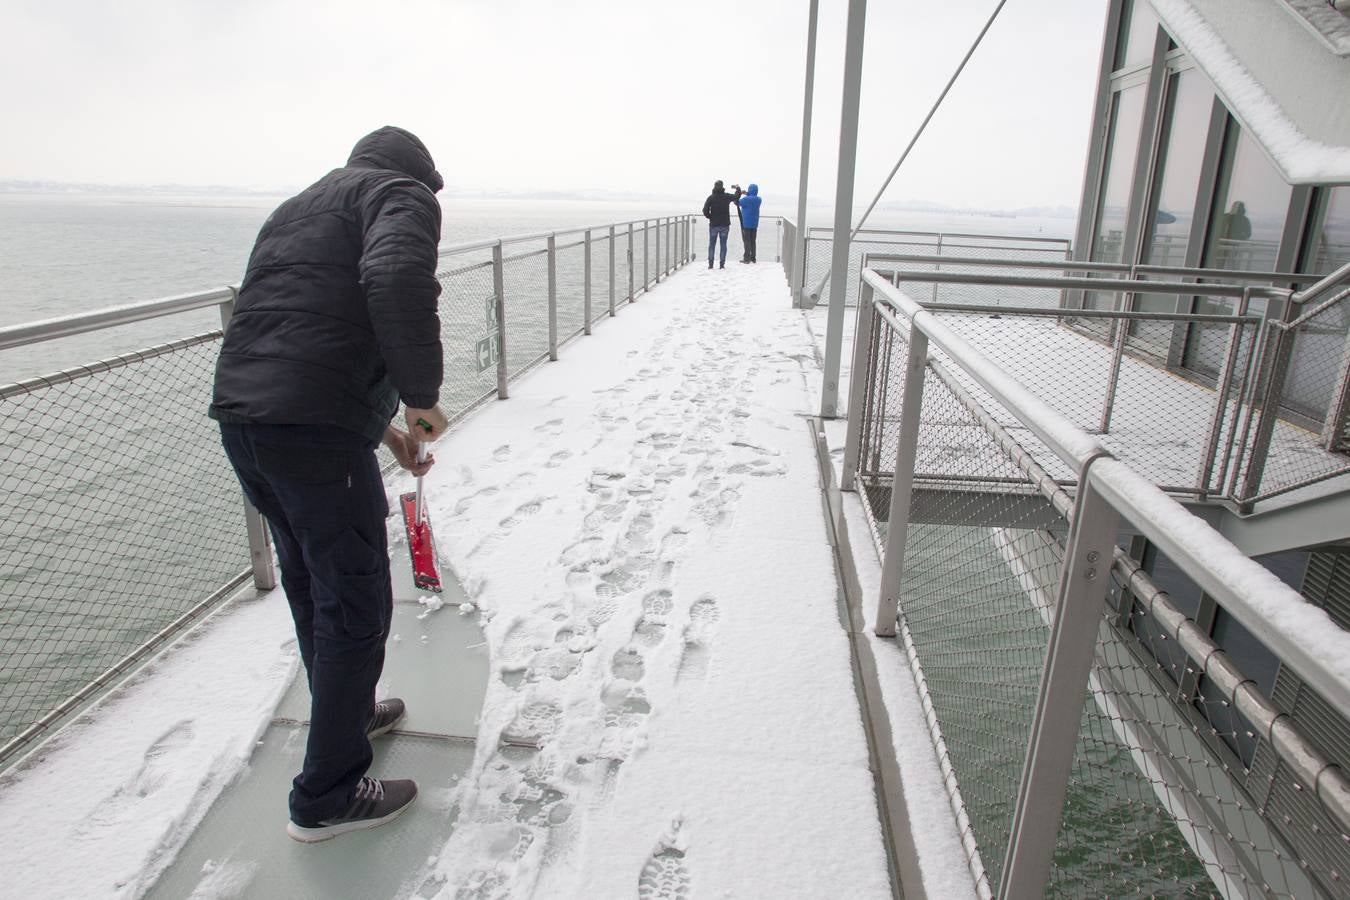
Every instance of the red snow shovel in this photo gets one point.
(421, 543)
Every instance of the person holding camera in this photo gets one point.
(748, 205)
(717, 210)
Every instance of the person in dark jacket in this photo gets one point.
(749, 207)
(717, 210)
(334, 324)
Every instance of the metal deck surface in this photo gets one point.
(439, 665)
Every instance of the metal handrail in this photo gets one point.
(1085, 266)
(108, 317)
(1334, 280)
(1089, 284)
(829, 232)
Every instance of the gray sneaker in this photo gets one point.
(388, 713)
(376, 803)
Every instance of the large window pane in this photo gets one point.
(1189, 101)
(1329, 243)
(1315, 365)
(1176, 181)
(1108, 242)
(1250, 208)
(1138, 31)
(1251, 203)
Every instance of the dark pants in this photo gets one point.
(320, 489)
(716, 233)
(748, 236)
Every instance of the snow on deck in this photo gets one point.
(671, 711)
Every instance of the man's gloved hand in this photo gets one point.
(404, 448)
(426, 424)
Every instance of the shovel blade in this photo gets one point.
(421, 545)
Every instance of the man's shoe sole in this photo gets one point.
(385, 729)
(328, 832)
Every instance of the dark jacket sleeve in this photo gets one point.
(402, 229)
(707, 207)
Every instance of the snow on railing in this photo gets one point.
(119, 516)
(1059, 682)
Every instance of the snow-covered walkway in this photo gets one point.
(671, 710)
(642, 522)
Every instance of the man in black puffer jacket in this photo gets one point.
(335, 323)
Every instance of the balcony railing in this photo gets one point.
(120, 518)
(1094, 740)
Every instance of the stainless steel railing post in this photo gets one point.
(859, 377)
(259, 537)
(553, 297)
(586, 247)
(1084, 580)
(611, 270)
(1208, 456)
(632, 297)
(902, 485)
(499, 291)
(1122, 328)
(646, 274)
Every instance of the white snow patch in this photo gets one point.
(106, 805)
(1301, 158)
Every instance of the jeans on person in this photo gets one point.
(748, 236)
(716, 233)
(320, 489)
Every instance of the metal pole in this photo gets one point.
(586, 328)
(553, 297)
(1225, 385)
(611, 270)
(1269, 415)
(1118, 336)
(646, 274)
(902, 485)
(1064, 682)
(259, 537)
(632, 297)
(656, 252)
(861, 376)
(499, 290)
(843, 205)
(797, 280)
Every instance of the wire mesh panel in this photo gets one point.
(525, 277)
(118, 514)
(571, 286)
(1172, 790)
(600, 275)
(788, 247)
(468, 312)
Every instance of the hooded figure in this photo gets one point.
(717, 210)
(749, 207)
(335, 322)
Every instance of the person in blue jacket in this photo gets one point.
(749, 207)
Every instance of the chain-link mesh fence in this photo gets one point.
(1176, 787)
(1301, 438)
(119, 513)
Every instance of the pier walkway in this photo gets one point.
(644, 596)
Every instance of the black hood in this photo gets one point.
(394, 148)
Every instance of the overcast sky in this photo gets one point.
(648, 96)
